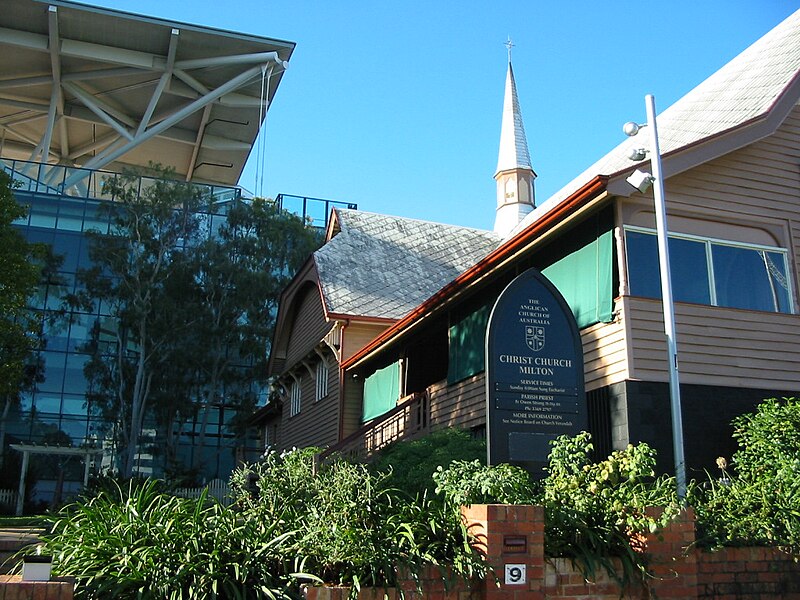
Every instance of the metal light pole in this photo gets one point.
(666, 291)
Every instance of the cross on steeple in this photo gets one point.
(509, 44)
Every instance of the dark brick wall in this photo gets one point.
(640, 412)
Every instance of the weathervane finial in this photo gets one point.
(509, 44)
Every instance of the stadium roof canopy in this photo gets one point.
(102, 89)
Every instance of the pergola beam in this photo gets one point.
(28, 449)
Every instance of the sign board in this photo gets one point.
(534, 373)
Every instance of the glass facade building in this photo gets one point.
(56, 411)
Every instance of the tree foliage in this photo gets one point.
(239, 274)
(20, 269)
(758, 501)
(412, 464)
(190, 304)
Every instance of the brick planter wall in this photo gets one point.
(747, 573)
(512, 537)
(13, 588)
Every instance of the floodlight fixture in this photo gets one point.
(641, 180)
(637, 154)
(631, 128)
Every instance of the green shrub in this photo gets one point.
(136, 542)
(352, 527)
(412, 464)
(466, 483)
(596, 511)
(758, 503)
(593, 512)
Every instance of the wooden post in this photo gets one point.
(22, 476)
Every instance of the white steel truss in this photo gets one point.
(106, 105)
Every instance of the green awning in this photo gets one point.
(381, 391)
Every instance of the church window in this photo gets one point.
(711, 271)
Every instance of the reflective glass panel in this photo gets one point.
(688, 264)
(43, 212)
(750, 278)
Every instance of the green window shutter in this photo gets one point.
(585, 279)
(381, 391)
(467, 345)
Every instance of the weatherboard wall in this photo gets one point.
(463, 404)
(750, 195)
(317, 422)
(308, 327)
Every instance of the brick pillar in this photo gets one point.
(675, 569)
(512, 540)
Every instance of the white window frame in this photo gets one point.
(322, 374)
(707, 242)
(295, 396)
(270, 437)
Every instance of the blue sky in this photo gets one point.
(397, 106)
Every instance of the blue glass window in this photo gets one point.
(741, 276)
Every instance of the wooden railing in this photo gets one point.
(8, 498)
(410, 418)
(217, 488)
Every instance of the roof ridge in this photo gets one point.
(348, 211)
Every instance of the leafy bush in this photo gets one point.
(136, 542)
(759, 502)
(412, 464)
(595, 511)
(466, 483)
(352, 527)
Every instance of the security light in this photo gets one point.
(630, 128)
(641, 180)
(637, 154)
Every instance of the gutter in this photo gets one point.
(491, 261)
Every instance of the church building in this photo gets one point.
(730, 150)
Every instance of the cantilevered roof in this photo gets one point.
(745, 100)
(101, 88)
(382, 267)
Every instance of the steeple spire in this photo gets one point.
(515, 175)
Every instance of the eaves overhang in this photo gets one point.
(306, 275)
(592, 191)
(102, 89)
(349, 318)
(719, 144)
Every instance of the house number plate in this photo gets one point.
(515, 574)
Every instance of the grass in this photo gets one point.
(27, 521)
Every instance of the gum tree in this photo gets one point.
(133, 264)
(20, 270)
(189, 315)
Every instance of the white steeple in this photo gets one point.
(514, 176)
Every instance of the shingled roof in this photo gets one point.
(740, 94)
(382, 266)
